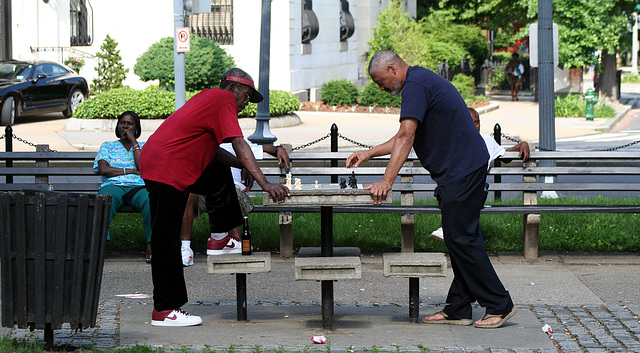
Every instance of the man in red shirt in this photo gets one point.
(178, 159)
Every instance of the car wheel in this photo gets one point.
(9, 112)
(75, 98)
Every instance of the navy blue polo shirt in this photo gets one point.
(446, 142)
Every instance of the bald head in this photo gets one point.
(382, 59)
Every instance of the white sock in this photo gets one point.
(219, 236)
(186, 243)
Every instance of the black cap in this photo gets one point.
(239, 76)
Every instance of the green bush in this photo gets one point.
(150, 103)
(339, 92)
(153, 103)
(464, 84)
(574, 106)
(630, 77)
(280, 103)
(372, 95)
(204, 64)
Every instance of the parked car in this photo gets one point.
(37, 87)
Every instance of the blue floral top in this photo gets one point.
(118, 157)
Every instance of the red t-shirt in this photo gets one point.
(186, 142)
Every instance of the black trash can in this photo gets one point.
(53, 247)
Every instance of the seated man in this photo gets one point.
(495, 151)
(224, 241)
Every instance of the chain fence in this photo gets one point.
(329, 135)
(598, 150)
(24, 141)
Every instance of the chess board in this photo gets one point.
(325, 195)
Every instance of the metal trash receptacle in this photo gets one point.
(53, 246)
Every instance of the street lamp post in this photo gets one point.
(263, 134)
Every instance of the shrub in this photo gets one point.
(280, 103)
(339, 92)
(111, 70)
(464, 84)
(574, 106)
(153, 103)
(630, 77)
(372, 95)
(204, 64)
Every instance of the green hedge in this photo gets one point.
(339, 92)
(154, 103)
(573, 105)
(372, 95)
(280, 103)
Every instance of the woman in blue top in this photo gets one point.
(117, 163)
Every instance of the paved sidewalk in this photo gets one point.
(590, 302)
(518, 120)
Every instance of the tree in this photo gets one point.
(111, 70)
(204, 64)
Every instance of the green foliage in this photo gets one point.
(372, 95)
(630, 77)
(153, 103)
(204, 64)
(280, 103)
(377, 232)
(464, 84)
(339, 92)
(111, 70)
(574, 106)
(149, 104)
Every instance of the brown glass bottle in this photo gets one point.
(246, 238)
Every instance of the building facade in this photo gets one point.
(312, 41)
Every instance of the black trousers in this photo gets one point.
(474, 276)
(167, 206)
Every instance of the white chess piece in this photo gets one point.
(288, 184)
(298, 184)
(317, 186)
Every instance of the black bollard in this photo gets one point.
(8, 143)
(334, 148)
(497, 135)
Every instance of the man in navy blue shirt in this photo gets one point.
(435, 121)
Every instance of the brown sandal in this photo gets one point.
(448, 320)
(503, 318)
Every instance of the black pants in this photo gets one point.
(167, 206)
(474, 276)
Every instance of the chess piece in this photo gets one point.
(288, 184)
(353, 182)
(317, 186)
(343, 183)
(298, 184)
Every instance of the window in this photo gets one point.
(217, 25)
(81, 21)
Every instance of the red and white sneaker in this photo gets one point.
(176, 317)
(226, 245)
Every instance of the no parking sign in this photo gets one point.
(183, 44)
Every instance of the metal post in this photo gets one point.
(497, 135)
(241, 296)
(263, 134)
(334, 148)
(8, 143)
(414, 299)
(326, 236)
(178, 58)
(545, 82)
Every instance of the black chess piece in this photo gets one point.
(353, 182)
(343, 183)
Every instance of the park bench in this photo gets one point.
(618, 171)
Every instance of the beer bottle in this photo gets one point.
(246, 238)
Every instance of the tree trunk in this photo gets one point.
(608, 81)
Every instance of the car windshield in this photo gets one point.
(15, 71)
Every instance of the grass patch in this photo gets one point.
(374, 233)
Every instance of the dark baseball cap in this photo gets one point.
(239, 76)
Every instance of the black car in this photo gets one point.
(37, 87)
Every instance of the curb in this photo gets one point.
(74, 124)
